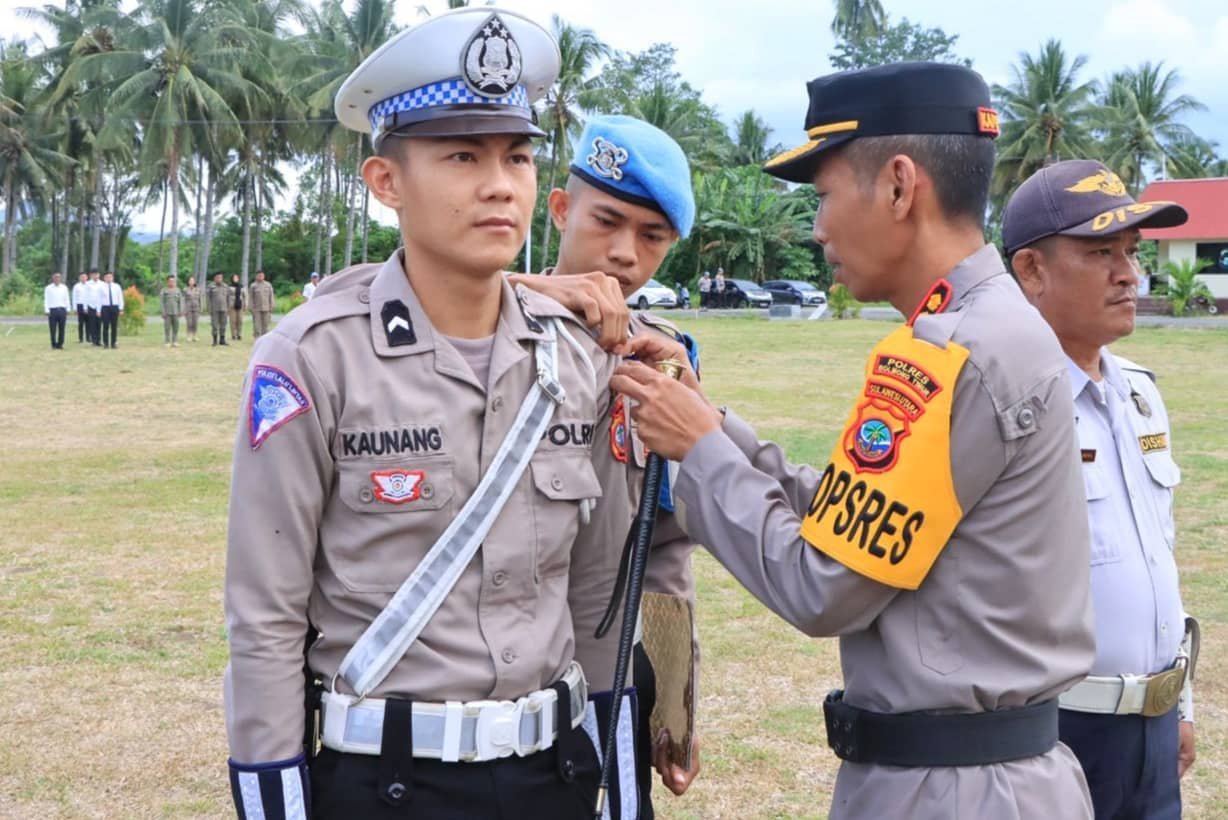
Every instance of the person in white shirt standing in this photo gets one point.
(111, 305)
(1072, 232)
(56, 302)
(94, 292)
(310, 287)
(79, 292)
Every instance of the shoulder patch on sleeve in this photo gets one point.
(886, 504)
(275, 399)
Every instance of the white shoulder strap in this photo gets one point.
(396, 628)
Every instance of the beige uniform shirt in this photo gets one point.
(1003, 619)
(171, 301)
(191, 300)
(261, 297)
(311, 535)
(596, 565)
(219, 298)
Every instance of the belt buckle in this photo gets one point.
(497, 732)
(1163, 691)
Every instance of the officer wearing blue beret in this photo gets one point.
(945, 542)
(411, 476)
(627, 200)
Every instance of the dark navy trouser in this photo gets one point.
(1130, 762)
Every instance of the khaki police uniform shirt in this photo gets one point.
(310, 537)
(1003, 618)
(191, 300)
(219, 298)
(596, 567)
(171, 300)
(261, 298)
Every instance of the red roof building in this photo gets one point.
(1204, 236)
(1206, 200)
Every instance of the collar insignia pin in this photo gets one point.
(1144, 408)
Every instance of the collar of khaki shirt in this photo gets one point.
(392, 283)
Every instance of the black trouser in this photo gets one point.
(56, 321)
(83, 323)
(110, 324)
(95, 334)
(645, 681)
(1130, 762)
(346, 786)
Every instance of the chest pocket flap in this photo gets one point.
(565, 476)
(1095, 481)
(1164, 471)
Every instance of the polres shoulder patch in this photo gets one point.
(274, 400)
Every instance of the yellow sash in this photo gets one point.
(886, 503)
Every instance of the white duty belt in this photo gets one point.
(1147, 695)
(472, 732)
(396, 628)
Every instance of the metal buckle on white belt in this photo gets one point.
(1147, 695)
(476, 731)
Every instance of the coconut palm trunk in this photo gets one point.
(328, 215)
(247, 229)
(67, 234)
(96, 226)
(174, 195)
(259, 218)
(210, 187)
(366, 220)
(10, 203)
(200, 173)
(350, 205)
(162, 231)
(113, 251)
(554, 167)
(315, 265)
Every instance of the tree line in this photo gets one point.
(202, 107)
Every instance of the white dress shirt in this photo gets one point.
(55, 296)
(309, 289)
(111, 294)
(94, 290)
(80, 294)
(1130, 474)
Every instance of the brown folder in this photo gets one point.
(669, 625)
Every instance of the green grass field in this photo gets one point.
(114, 468)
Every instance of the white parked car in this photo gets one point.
(652, 294)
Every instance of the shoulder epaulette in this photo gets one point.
(336, 304)
(362, 273)
(1126, 364)
(657, 323)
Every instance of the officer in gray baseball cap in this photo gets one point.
(1073, 233)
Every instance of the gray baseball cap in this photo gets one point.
(1079, 197)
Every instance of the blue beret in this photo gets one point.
(637, 163)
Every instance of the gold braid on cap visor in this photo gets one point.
(818, 136)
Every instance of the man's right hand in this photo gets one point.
(594, 296)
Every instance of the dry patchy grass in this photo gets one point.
(113, 490)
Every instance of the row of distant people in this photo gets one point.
(98, 304)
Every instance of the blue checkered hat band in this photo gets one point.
(446, 92)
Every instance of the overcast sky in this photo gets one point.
(759, 55)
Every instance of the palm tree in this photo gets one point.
(1139, 116)
(336, 44)
(573, 92)
(858, 19)
(1184, 286)
(751, 140)
(1193, 157)
(178, 69)
(29, 161)
(1046, 116)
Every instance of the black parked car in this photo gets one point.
(795, 292)
(740, 293)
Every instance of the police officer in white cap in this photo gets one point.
(411, 475)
